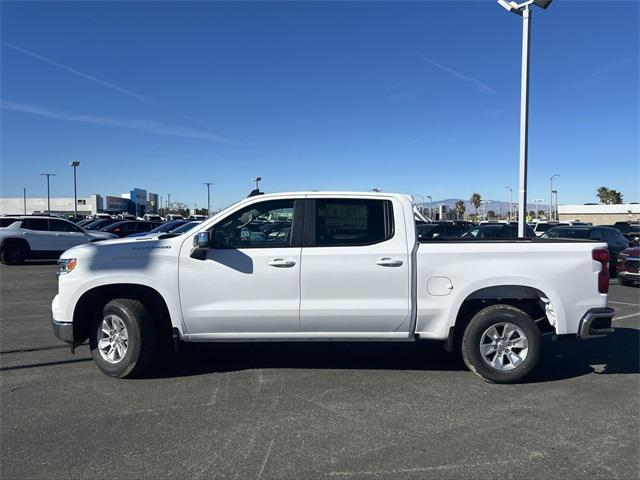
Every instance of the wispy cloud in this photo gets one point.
(408, 93)
(129, 123)
(481, 86)
(99, 81)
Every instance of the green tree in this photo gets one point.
(476, 201)
(609, 196)
(460, 209)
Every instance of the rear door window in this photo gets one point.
(5, 222)
(353, 222)
(62, 226)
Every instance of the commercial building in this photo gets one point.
(600, 214)
(137, 202)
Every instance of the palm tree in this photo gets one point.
(476, 201)
(603, 194)
(460, 208)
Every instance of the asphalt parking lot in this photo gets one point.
(305, 410)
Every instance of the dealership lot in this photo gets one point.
(308, 410)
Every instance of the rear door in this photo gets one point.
(355, 274)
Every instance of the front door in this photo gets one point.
(249, 281)
(355, 267)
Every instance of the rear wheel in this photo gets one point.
(501, 344)
(13, 253)
(123, 338)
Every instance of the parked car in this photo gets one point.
(185, 227)
(174, 216)
(428, 231)
(41, 237)
(612, 237)
(125, 216)
(127, 227)
(542, 226)
(630, 230)
(86, 221)
(345, 266)
(497, 231)
(628, 263)
(197, 217)
(100, 223)
(152, 217)
(162, 228)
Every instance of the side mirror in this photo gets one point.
(201, 243)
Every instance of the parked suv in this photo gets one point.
(630, 230)
(628, 266)
(127, 227)
(41, 237)
(616, 243)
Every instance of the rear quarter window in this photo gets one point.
(5, 222)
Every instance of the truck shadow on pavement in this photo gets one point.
(618, 353)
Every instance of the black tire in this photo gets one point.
(14, 253)
(141, 343)
(498, 315)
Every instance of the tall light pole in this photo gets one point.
(430, 207)
(75, 165)
(510, 200)
(421, 210)
(168, 203)
(555, 210)
(208, 184)
(24, 199)
(257, 180)
(48, 191)
(551, 195)
(524, 10)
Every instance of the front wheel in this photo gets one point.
(501, 344)
(123, 338)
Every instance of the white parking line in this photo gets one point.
(626, 316)
(625, 303)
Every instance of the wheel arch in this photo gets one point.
(14, 240)
(93, 300)
(532, 300)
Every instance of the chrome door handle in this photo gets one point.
(281, 263)
(389, 262)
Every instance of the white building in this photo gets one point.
(600, 214)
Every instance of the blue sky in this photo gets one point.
(418, 97)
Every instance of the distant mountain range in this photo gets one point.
(495, 205)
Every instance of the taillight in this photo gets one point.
(602, 255)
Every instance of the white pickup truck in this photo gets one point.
(329, 266)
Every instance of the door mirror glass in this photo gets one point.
(202, 240)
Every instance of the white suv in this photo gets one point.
(24, 237)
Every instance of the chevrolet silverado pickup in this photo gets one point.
(315, 266)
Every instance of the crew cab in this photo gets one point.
(315, 266)
(25, 237)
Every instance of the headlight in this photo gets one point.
(66, 265)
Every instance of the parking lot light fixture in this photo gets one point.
(75, 165)
(257, 181)
(524, 10)
(510, 200)
(48, 191)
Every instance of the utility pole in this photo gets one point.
(48, 191)
(208, 184)
(24, 199)
(75, 164)
(551, 195)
